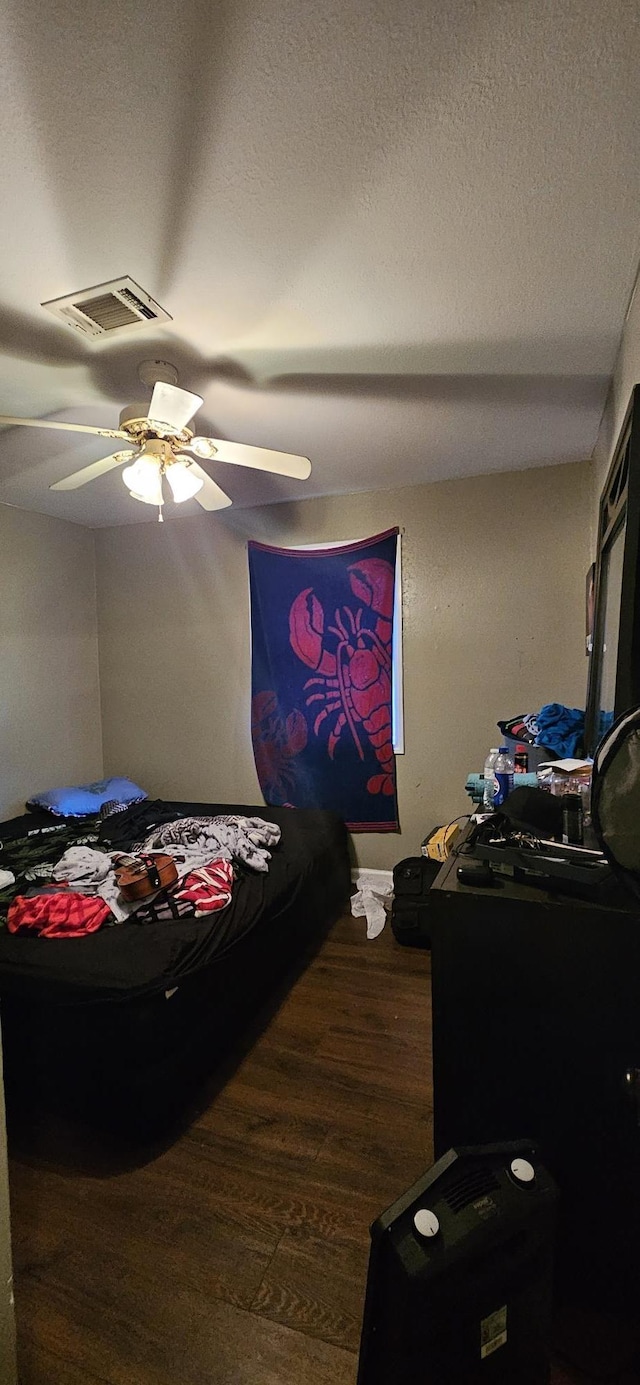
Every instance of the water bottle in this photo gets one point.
(502, 776)
(489, 785)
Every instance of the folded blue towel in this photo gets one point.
(475, 785)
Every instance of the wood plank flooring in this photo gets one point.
(238, 1255)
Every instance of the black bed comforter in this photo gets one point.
(133, 959)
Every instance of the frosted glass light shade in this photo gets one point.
(183, 481)
(144, 481)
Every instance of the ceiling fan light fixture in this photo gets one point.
(184, 484)
(203, 447)
(144, 481)
(158, 432)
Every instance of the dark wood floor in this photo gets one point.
(238, 1255)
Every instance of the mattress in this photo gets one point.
(308, 878)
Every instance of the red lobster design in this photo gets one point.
(276, 742)
(354, 678)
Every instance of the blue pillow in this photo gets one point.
(86, 800)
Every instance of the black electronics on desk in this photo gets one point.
(551, 866)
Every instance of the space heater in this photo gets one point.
(460, 1274)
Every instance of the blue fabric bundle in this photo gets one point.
(560, 729)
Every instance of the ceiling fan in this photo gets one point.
(159, 437)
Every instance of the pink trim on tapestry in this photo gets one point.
(324, 552)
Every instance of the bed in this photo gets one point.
(127, 1021)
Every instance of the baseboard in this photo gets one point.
(378, 877)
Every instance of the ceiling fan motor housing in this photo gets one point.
(135, 421)
(160, 450)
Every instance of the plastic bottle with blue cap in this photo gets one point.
(503, 773)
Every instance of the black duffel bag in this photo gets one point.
(412, 880)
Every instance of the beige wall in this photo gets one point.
(625, 376)
(491, 630)
(50, 730)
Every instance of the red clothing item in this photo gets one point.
(63, 914)
(208, 888)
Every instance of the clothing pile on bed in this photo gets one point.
(60, 882)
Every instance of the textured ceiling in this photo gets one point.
(397, 237)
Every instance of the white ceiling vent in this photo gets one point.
(105, 309)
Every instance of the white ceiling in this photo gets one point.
(395, 235)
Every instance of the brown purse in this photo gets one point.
(139, 877)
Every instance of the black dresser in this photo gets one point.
(536, 1033)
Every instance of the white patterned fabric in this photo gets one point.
(230, 837)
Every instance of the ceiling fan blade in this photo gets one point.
(95, 469)
(7, 422)
(263, 459)
(172, 406)
(211, 497)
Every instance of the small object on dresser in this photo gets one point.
(521, 760)
(440, 842)
(478, 875)
(572, 819)
(489, 781)
(503, 776)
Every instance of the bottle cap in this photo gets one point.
(521, 750)
(572, 800)
(504, 750)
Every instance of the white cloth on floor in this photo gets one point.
(7, 878)
(369, 902)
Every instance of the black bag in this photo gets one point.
(615, 798)
(412, 880)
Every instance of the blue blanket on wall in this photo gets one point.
(321, 630)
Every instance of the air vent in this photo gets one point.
(119, 306)
(472, 1184)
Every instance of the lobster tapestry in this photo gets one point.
(321, 629)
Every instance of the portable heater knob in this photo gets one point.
(523, 1171)
(426, 1222)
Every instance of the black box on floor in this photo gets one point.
(460, 1274)
(412, 880)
